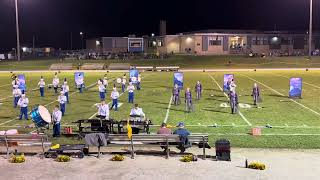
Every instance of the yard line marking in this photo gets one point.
(6, 98)
(315, 112)
(302, 82)
(168, 110)
(286, 125)
(5, 85)
(241, 115)
(46, 105)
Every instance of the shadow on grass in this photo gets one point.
(156, 102)
(215, 99)
(276, 95)
(214, 110)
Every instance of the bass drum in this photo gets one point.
(41, 116)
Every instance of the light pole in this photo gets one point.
(81, 34)
(310, 30)
(17, 29)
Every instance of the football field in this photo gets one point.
(285, 123)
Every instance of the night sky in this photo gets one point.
(53, 21)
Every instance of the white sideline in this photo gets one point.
(168, 110)
(242, 116)
(315, 112)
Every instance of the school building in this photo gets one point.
(214, 42)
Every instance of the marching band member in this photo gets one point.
(130, 89)
(15, 82)
(137, 112)
(41, 85)
(255, 94)
(232, 86)
(56, 119)
(16, 95)
(102, 91)
(138, 82)
(66, 89)
(123, 83)
(176, 95)
(62, 99)
(114, 96)
(23, 103)
(188, 100)
(79, 83)
(198, 89)
(55, 83)
(103, 110)
(233, 102)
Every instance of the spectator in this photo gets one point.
(183, 135)
(164, 130)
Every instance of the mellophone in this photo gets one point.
(40, 116)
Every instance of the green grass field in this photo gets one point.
(295, 123)
(183, 61)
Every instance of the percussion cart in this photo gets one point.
(75, 150)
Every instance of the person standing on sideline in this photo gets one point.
(65, 88)
(103, 110)
(55, 83)
(233, 102)
(56, 119)
(176, 95)
(62, 100)
(255, 94)
(130, 89)
(188, 100)
(123, 83)
(139, 82)
(102, 91)
(198, 89)
(16, 95)
(41, 85)
(23, 103)
(80, 83)
(114, 96)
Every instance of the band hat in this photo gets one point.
(180, 124)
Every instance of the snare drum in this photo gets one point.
(40, 116)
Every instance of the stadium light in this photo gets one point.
(81, 34)
(17, 30)
(275, 39)
(310, 30)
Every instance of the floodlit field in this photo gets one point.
(295, 122)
